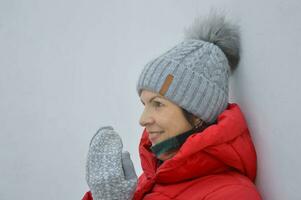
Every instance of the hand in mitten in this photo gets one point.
(110, 174)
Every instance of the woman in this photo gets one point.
(195, 144)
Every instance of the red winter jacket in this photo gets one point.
(217, 164)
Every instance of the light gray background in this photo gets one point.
(69, 67)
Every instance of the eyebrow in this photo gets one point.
(151, 99)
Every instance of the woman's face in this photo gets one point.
(162, 118)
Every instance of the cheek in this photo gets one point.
(178, 123)
(171, 123)
(163, 121)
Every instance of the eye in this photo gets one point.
(157, 104)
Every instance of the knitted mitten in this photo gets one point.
(110, 174)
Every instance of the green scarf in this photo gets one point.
(172, 143)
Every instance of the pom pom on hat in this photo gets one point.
(217, 30)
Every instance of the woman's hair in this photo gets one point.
(188, 116)
(191, 119)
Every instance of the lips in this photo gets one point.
(154, 136)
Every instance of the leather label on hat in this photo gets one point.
(166, 84)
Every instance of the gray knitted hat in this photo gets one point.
(194, 74)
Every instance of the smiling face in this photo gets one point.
(162, 118)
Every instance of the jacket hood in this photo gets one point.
(221, 147)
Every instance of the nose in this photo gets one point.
(146, 118)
